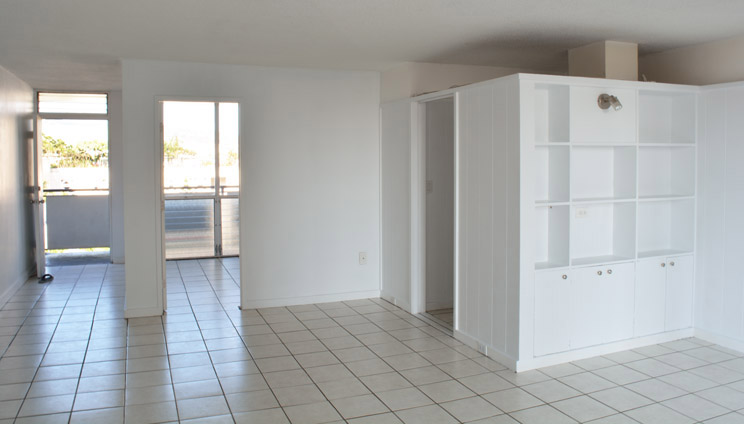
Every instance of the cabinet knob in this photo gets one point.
(564, 276)
(609, 271)
(663, 264)
(671, 263)
(599, 272)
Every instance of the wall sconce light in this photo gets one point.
(605, 101)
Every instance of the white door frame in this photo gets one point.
(37, 196)
(159, 176)
(418, 204)
(37, 200)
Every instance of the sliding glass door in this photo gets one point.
(201, 175)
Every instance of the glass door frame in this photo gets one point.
(216, 196)
(38, 198)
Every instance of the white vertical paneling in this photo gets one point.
(395, 164)
(500, 184)
(733, 300)
(488, 200)
(477, 122)
(461, 184)
(719, 293)
(711, 222)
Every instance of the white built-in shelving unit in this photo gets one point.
(576, 226)
(614, 216)
(606, 189)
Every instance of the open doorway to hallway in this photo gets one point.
(440, 209)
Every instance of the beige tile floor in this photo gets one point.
(69, 356)
(444, 315)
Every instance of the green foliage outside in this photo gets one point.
(86, 154)
(172, 150)
(232, 158)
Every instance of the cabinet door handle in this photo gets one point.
(671, 263)
(599, 272)
(564, 276)
(609, 271)
(663, 264)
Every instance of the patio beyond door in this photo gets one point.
(201, 174)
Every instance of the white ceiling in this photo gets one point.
(77, 44)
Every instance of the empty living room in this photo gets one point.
(371, 212)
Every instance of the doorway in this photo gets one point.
(200, 179)
(72, 179)
(439, 209)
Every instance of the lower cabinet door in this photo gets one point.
(587, 307)
(552, 296)
(618, 299)
(679, 287)
(650, 297)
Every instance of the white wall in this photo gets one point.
(116, 177)
(75, 222)
(16, 248)
(488, 216)
(415, 78)
(719, 294)
(440, 203)
(710, 63)
(395, 197)
(309, 179)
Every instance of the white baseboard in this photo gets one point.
(397, 302)
(304, 300)
(720, 339)
(142, 312)
(575, 355)
(490, 351)
(117, 259)
(15, 285)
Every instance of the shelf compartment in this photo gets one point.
(551, 241)
(663, 253)
(551, 174)
(602, 233)
(590, 124)
(666, 118)
(666, 172)
(551, 113)
(666, 228)
(601, 172)
(596, 260)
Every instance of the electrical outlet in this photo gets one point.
(581, 212)
(362, 258)
(429, 186)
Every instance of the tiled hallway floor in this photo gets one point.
(69, 356)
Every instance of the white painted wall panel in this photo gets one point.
(719, 294)
(395, 197)
(310, 181)
(16, 112)
(489, 160)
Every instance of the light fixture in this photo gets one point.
(605, 101)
